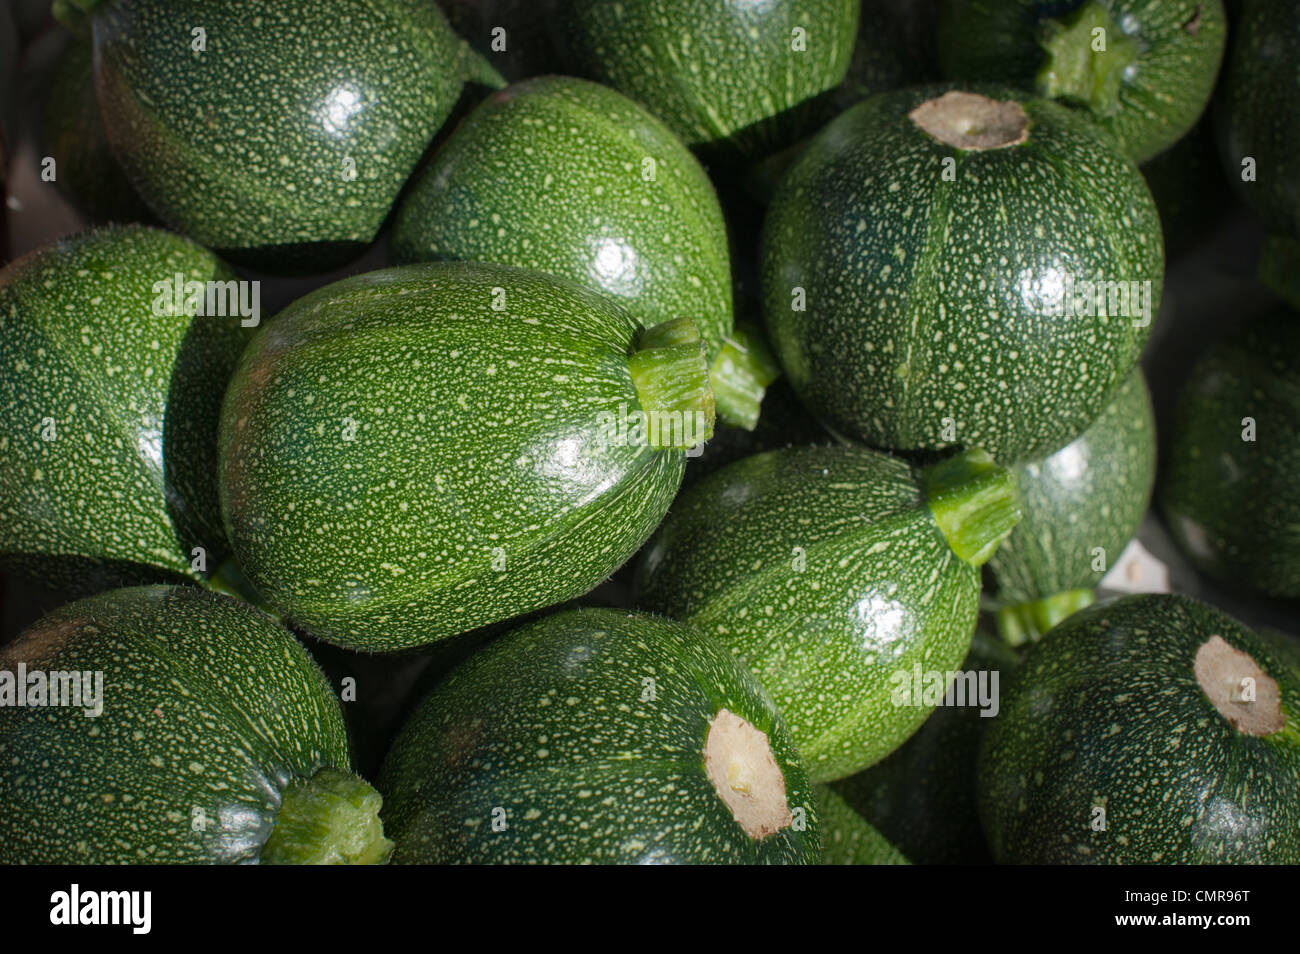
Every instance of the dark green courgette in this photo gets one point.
(169, 725)
(1145, 730)
(598, 736)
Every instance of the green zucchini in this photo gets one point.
(1145, 730)
(197, 731)
(1228, 491)
(832, 573)
(279, 136)
(924, 286)
(110, 397)
(576, 180)
(1079, 508)
(1258, 115)
(847, 837)
(415, 452)
(86, 172)
(1143, 70)
(598, 736)
(734, 81)
(921, 798)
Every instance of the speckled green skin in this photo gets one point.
(477, 438)
(928, 299)
(244, 147)
(1161, 96)
(1091, 493)
(1234, 505)
(722, 75)
(550, 175)
(87, 172)
(880, 590)
(127, 487)
(922, 796)
(848, 838)
(588, 729)
(1106, 710)
(209, 709)
(1259, 113)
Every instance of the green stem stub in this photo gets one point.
(1279, 267)
(974, 502)
(671, 374)
(1087, 56)
(1029, 622)
(331, 818)
(740, 375)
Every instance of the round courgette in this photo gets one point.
(1079, 508)
(1228, 491)
(416, 452)
(1145, 730)
(841, 577)
(1143, 70)
(947, 267)
(598, 736)
(110, 397)
(170, 725)
(736, 81)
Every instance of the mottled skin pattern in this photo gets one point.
(478, 483)
(848, 838)
(1091, 493)
(723, 74)
(927, 300)
(246, 146)
(880, 590)
(210, 708)
(1107, 711)
(551, 175)
(1259, 115)
(1234, 504)
(128, 482)
(1162, 93)
(587, 729)
(922, 795)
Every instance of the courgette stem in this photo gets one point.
(1279, 267)
(331, 818)
(1077, 72)
(740, 375)
(1028, 622)
(974, 501)
(671, 373)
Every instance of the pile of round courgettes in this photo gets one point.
(733, 408)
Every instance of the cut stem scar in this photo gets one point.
(739, 761)
(972, 122)
(1243, 693)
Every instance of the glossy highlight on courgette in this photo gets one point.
(416, 452)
